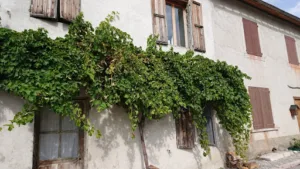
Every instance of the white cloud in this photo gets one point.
(295, 10)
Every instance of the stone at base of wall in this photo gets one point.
(257, 148)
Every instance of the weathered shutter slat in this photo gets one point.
(256, 108)
(266, 108)
(44, 9)
(185, 132)
(291, 50)
(198, 29)
(69, 9)
(159, 21)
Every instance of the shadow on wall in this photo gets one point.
(116, 147)
(9, 106)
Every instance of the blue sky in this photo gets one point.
(291, 6)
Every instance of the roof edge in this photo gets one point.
(274, 11)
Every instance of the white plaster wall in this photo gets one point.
(117, 150)
(272, 70)
(15, 146)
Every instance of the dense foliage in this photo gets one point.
(152, 82)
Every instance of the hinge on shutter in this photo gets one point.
(198, 26)
(159, 15)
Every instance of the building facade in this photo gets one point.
(248, 34)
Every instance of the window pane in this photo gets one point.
(49, 120)
(179, 26)
(210, 131)
(68, 124)
(69, 145)
(48, 146)
(170, 24)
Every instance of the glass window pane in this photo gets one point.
(68, 124)
(49, 120)
(210, 131)
(169, 24)
(69, 145)
(179, 26)
(48, 149)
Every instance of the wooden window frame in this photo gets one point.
(37, 124)
(182, 5)
(210, 115)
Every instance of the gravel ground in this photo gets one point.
(284, 163)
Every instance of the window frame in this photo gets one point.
(210, 116)
(36, 143)
(183, 6)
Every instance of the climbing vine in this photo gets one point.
(150, 82)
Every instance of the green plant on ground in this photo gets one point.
(104, 61)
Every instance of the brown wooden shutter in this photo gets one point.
(159, 21)
(44, 8)
(252, 38)
(266, 108)
(185, 131)
(291, 50)
(69, 9)
(198, 29)
(256, 108)
(261, 108)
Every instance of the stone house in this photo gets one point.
(260, 39)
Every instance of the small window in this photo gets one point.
(210, 128)
(261, 108)
(175, 24)
(63, 10)
(252, 38)
(59, 142)
(170, 23)
(291, 50)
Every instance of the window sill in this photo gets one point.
(254, 57)
(264, 130)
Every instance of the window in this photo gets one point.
(176, 24)
(252, 38)
(261, 108)
(60, 142)
(291, 50)
(185, 131)
(64, 10)
(210, 128)
(170, 23)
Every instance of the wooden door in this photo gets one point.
(297, 101)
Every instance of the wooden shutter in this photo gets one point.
(266, 108)
(69, 9)
(256, 108)
(198, 29)
(291, 50)
(185, 131)
(44, 8)
(159, 21)
(252, 38)
(261, 108)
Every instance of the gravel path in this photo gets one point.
(284, 163)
